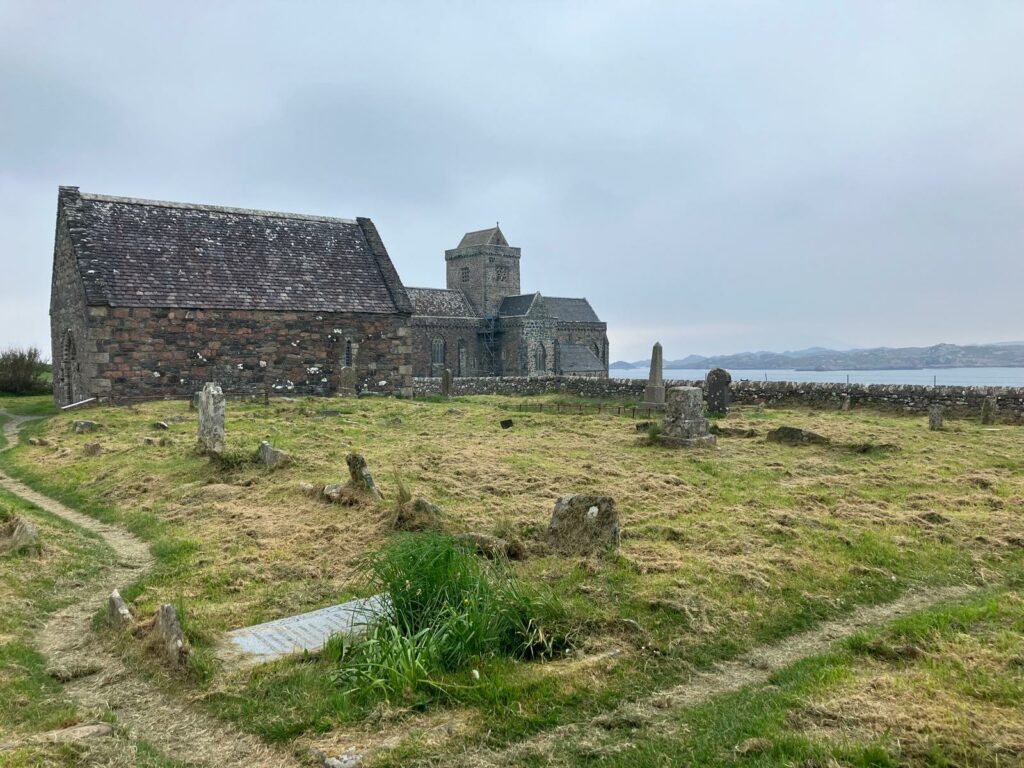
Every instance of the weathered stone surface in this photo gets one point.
(211, 418)
(989, 408)
(844, 403)
(654, 392)
(82, 426)
(93, 449)
(18, 535)
(348, 380)
(493, 547)
(360, 478)
(583, 524)
(718, 429)
(118, 612)
(272, 457)
(506, 423)
(38, 441)
(935, 416)
(684, 425)
(716, 385)
(796, 436)
(904, 398)
(168, 632)
(446, 383)
(419, 514)
(161, 425)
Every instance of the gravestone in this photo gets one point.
(717, 387)
(168, 630)
(988, 411)
(684, 425)
(654, 392)
(347, 381)
(211, 418)
(844, 404)
(360, 478)
(272, 457)
(446, 383)
(81, 427)
(584, 523)
(935, 417)
(118, 612)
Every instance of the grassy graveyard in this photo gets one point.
(723, 551)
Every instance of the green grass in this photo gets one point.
(32, 586)
(794, 720)
(723, 550)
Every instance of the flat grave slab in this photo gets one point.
(304, 632)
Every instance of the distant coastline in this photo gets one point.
(817, 359)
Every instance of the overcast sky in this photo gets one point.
(720, 176)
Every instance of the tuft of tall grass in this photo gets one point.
(446, 608)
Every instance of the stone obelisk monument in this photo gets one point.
(654, 392)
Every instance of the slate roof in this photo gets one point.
(576, 358)
(149, 253)
(492, 236)
(516, 306)
(439, 302)
(571, 310)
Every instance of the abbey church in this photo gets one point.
(153, 299)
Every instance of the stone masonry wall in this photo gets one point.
(959, 401)
(144, 352)
(72, 349)
(452, 330)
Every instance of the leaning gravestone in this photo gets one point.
(168, 630)
(583, 524)
(211, 418)
(654, 392)
(717, 387)
(272, 457)
(684, 425)
(935, 417)
(446, 383)
(988, 411)
(360, 478)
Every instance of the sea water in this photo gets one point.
(973, 377)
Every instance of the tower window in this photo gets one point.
(501, 274)
(348, 353)
(464, 274)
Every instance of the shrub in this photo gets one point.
(446, 607)
(22, 371)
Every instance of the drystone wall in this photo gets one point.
(957, 401)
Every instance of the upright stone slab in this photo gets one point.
(446, 383)
(360, 478)
(684, 425)
(935, 417)
(584, 524)
(211, 418)
(988, 411)
(717, 386)
(844, 403)
(654, 392)
(347, 381)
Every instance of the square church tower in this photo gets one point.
(485, 268)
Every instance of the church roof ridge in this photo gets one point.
(94, 196)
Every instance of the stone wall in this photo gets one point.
(147, 352)
(452, 330)
(72, 349)
(958, 401)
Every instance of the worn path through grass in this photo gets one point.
(100, 681)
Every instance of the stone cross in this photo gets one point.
(935, 417)
(684, 425)
(717, 386)
(211, 418)
(988, 410)
(654, 392)
(446, 383)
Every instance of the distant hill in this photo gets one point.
(1009, 354)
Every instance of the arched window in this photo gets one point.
(437, 352)
(540, 359)
(597, 352)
